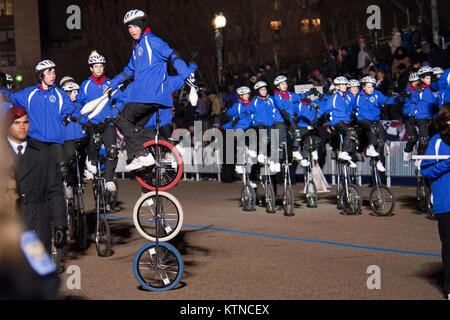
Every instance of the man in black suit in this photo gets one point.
(39, 183)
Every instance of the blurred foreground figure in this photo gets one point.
(26, 269)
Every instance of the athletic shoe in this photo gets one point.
(90, 167)
(141, 162)
(111, 186)
(381, 167)
(253, 185)
(261, 158)
(239, 169)
(315, 155)
(371, 152)
(275, 167)
(251, 153)
(344, 156)
(88, 175)
(352, 164)
(407, 156)
(304, 163)
(297, 155)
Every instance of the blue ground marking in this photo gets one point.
(303, 240)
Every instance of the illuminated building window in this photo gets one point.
(6, 7)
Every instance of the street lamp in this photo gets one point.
(219, 24)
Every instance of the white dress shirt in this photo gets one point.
(15, 145)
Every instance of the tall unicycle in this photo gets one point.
(158, 216)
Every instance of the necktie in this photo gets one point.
(19, 151)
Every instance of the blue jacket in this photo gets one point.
(409, 108)
(91, 90)
(165, 115)
(369, 107)
(427, 104)
(243, 112)
(444, 85)
(288, 102)
(439, 173)
(264, 111)
(74, 131)
(46, 112)
(340, 108)
(148, 66)
(305, 115)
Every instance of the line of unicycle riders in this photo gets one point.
(348, 117)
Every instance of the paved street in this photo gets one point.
(230, 254)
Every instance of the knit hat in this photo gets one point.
(14, 113)
(141, 23)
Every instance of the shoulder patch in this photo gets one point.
(34, 251)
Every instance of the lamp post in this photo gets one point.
(219, 24)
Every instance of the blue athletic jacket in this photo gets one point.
(288, 101)
(439, 173)
(305, 114)
(369, 107)
(340, 108)
(244, 112)
(444, 85)
(74, 131)
(92, 89)
(148, 66)
(264, 111)
(46, 112)
(409, 108)
(427, 104)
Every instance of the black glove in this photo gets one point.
(88, 127)
(60, 237)
(307, 100)
(313, 92)
(315, 106)
(67, 120)
(354, 117)
(126, 83)
(108, 91)
(286, 116)
(235, 122)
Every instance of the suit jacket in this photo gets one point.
(40, 190)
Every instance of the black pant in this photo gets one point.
(410, 125)
(69, 150)
(422, 125)
(310, 141)
(131, 121)
(349, 134)
(375, 133)
(106, 135)
(444, 233)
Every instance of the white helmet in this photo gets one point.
(133, 15)
(243, 90)
(413, 77)
(425, 71)
(260, 84)
(70, 87)
(354, 83)
(44, 65)
(65, 79)
(369, 79)
(340, 80)
(96, 58)
(280, 79)
(9, 78)
(438, 70)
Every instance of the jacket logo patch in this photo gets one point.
(140, 51)
(372, 99)
(52, 99)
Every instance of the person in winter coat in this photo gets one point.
(409, 118)
(444, 86)
(39, 183)
(396, 40)
(439, 173)
(148, 67)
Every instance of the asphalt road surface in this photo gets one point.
(230, 254)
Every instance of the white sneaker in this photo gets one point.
(111, 186)
(88, 175)
(90, 167)
(371, 152)
(252, 153)
(297, 155)
(275, 167)
(261, 158)
(141, 162)
(239, 169)
(381, 167)
(344, 156)
(304, 163)
(315, 155)
(418, 164)
(352, 164)
(407, 156)
(253, 185)
(69, 192)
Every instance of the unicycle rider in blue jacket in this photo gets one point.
(148, 67)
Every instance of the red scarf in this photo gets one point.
(412, 88)
(285, 95)
(98, 81)
(246, 103)
(426, 86)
